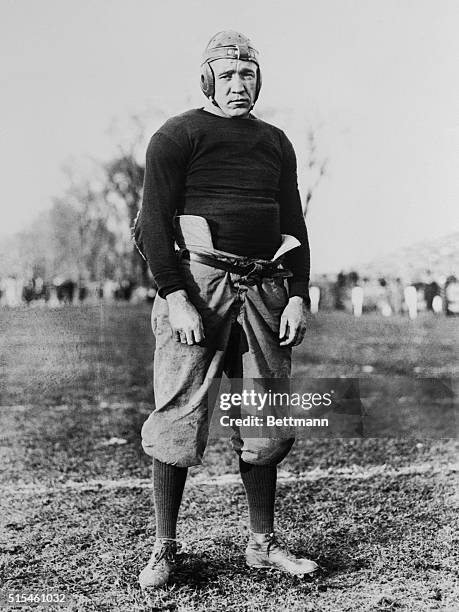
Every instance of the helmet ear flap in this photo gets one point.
(207, 80)
(257, 91)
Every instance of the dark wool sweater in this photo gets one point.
(240, 174)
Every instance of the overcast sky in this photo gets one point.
(377, 79)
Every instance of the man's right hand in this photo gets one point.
(184, 319)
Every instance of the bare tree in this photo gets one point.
(316, 169)
(89, 233)
(125, 174)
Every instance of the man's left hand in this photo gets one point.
(293, 322)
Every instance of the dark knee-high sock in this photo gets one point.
(260, 487)
(168, 485)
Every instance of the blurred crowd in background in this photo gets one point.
(348, 292)
(385, 295)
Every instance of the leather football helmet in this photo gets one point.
(224, 45)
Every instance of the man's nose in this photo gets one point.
(237, 84)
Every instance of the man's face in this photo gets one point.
(235, 86)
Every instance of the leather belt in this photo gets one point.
(251, 269)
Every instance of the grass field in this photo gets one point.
(377, 514)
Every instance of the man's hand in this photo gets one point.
(184, 319)
(293, 322)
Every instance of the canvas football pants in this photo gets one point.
(241, 323)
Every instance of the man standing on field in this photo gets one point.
(222, 185)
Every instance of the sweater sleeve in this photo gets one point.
(292, 222)
(162, 192)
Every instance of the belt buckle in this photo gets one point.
(254, 273)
